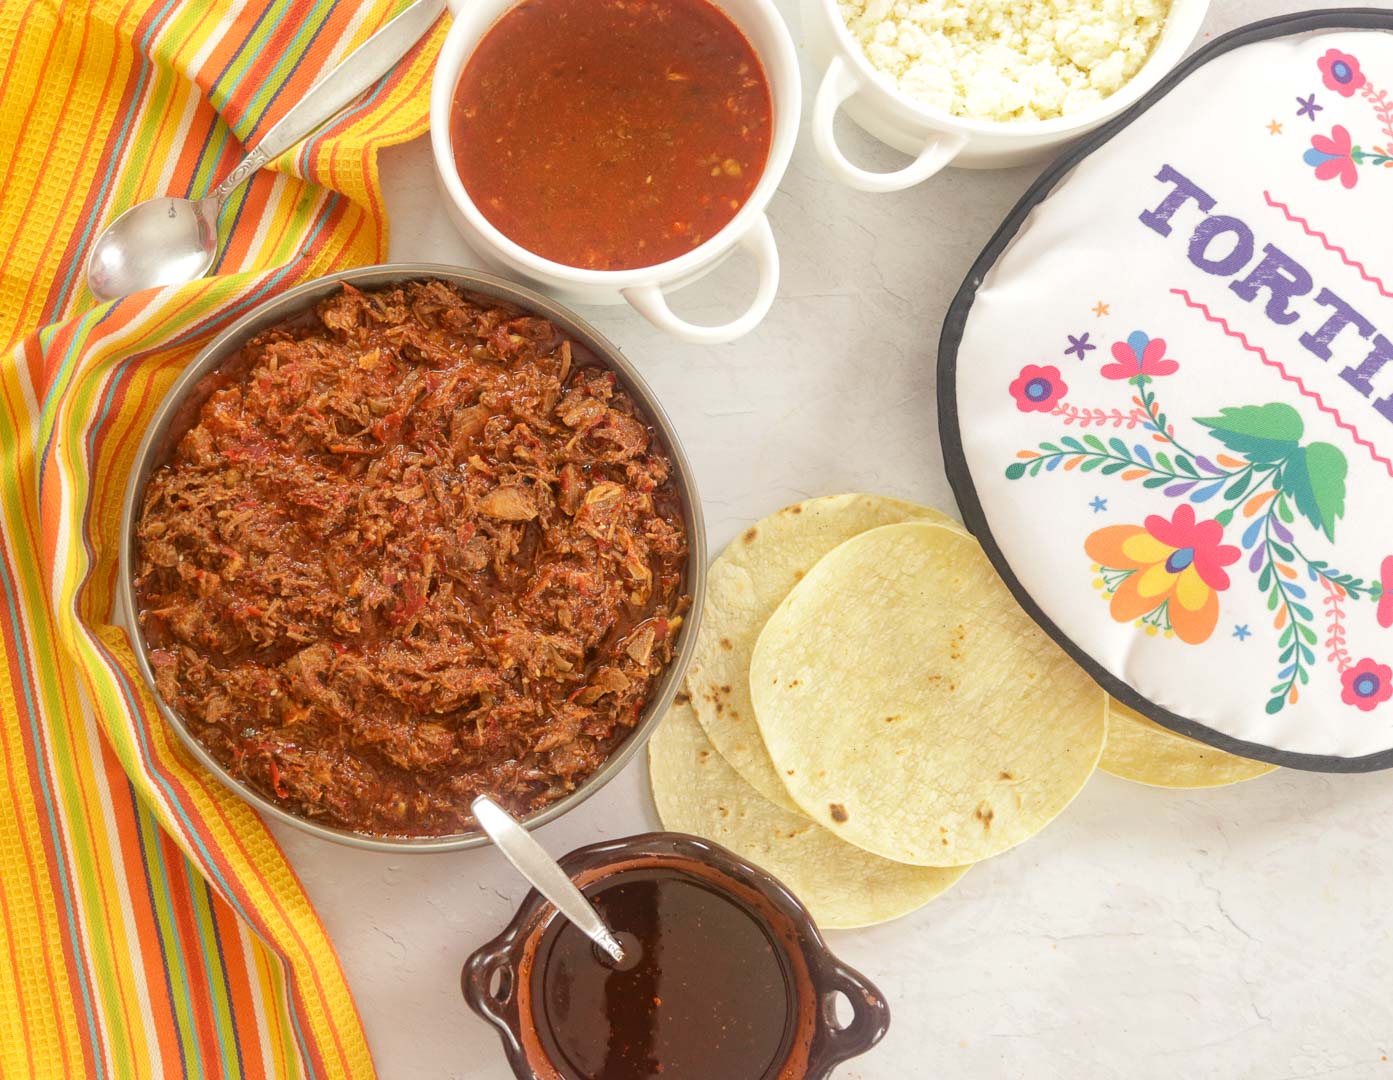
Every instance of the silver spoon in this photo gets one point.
(532, 862)
(169, 241)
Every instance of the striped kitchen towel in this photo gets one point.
(151, 925)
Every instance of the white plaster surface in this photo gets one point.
(1237, 933)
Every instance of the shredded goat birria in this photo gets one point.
(414, 548)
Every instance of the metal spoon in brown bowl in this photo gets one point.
(726, 975)
(544, 873)
(169, 241)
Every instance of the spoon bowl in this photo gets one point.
(164, 241)
(167, 241)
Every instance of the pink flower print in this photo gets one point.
(1140, 355)
(1332, 157)
(1038, 389)
(1340, 72)
(1367, 684)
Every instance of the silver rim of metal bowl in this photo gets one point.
(300, 298)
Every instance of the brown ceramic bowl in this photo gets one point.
(501, 981)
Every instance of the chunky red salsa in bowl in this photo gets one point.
(408, 535)
(611, 149)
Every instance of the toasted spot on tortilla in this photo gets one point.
(851, 644)
(842, 885)
(744, 586)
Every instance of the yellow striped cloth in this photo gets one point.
(151, 925)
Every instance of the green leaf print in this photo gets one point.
(1264, 434)
(1314, 476)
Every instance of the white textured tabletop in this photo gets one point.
(1236, 933)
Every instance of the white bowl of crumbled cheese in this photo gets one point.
(983, 83)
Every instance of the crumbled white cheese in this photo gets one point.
(1007, 59)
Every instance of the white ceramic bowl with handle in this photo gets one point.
(643, 288)
(937, 138)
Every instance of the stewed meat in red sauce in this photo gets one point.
(418, 547)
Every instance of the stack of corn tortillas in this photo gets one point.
(869, 712)
(1141, 750)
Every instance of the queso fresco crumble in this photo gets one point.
(1006, 59)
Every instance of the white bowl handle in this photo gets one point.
(649, 301)
(840, 83)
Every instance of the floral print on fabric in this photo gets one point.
(1332, 157)
(1165, 575)
(1337, 155)
(1139, 355)
(1367, 685)
(1341, 72)
(1037, 389)
(1282, 495)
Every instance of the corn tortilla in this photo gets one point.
(914, 709)
(743, 587)
(696, 791)
(1146, 753)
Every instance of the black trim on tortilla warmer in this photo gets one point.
(950, 433)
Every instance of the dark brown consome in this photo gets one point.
(414, 548)
(611, 134)
(705, 992)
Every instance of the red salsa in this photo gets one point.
(611, 134)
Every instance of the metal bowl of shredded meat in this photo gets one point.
(405, 535)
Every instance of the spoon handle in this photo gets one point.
(335, 92)
(530, 860)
